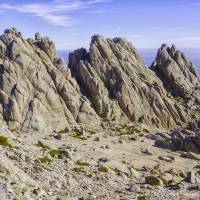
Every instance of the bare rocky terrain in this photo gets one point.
(103, 126)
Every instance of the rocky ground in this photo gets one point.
(119, 162)
(103, 126)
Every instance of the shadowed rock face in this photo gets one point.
(110, 82)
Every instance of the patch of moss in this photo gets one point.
(80, 137)
(57, 154)
(103, 169)
(146, 130)
(124, 129)
(66, 130)
(39, 144)
(14, 130)
(153, 171)
(5, 142)
(165, 182)
(82, 163)
(153, 180)
(92, 132)
(141, 135)
(94, 172)
(79, 170)
(45, 160)
(79, 134)
(37, 169)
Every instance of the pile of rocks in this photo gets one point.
(180, 139)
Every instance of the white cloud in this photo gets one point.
(56, 12)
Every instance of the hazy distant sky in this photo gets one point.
(70, 23)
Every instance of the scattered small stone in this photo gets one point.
(103, 159)
(58, 136)
(195, 187)
(97, 139)
(133, 188)
(133, 138)
(133, 173)
(120, 141)
(148, 152)
(191, 178)
(191, 155)
(167, 158)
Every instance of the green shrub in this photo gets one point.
(79, 170)
(57, 154)
(5, 142)
(45, 160)
(66, 130)
(103, 169)
(82, 163)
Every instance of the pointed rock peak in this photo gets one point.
(168, 54)
(165, 49)
(120, 40)
(96, 38)
(38, 37)
(46, 45)
(176, 70)
(13, 31)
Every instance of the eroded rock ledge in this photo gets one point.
(109, 83)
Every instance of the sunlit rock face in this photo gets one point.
(37, 90)
(116, 80)
(178, 74)
(109, 83)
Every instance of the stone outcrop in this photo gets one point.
(110, 83)
(178, 74)
(114, 77)
(181, 139)
(37, 90)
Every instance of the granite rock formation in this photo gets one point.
(181, 139)
(178, 74)
(113, 73)
(109, 83)
(37, 90)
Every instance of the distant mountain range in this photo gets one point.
(149, 55)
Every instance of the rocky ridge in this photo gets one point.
(37, 90)
(178, 74)
(109, 83)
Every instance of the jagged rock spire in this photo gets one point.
(177, 72)
(110, 83)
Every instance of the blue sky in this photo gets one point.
(71, 23)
